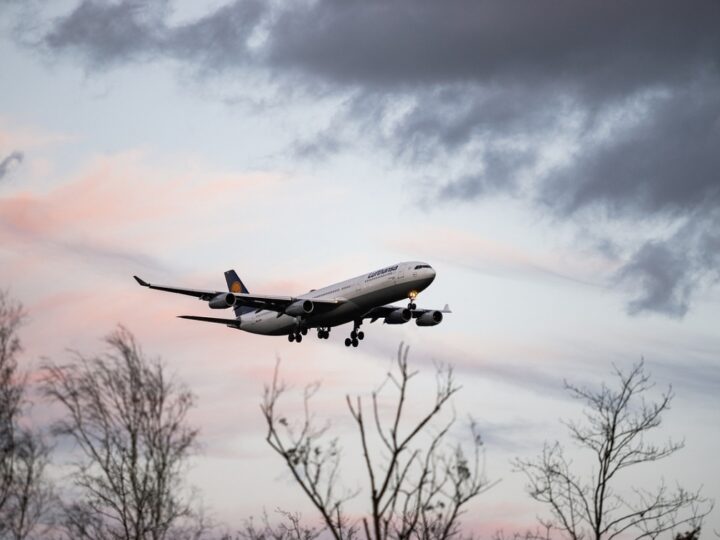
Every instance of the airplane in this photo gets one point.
(368, 296)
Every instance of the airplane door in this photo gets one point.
(400, 273)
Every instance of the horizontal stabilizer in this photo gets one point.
(228, 322)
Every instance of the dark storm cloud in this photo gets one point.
(498, 175)
(104, 34)
(219, 40)
(7, 162)
(667, 163)
(664, 280)
(668, 272)
(487, 84)
(596, 48)
(409, 43)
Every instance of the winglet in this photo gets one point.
(141, 282)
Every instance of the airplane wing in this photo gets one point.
(381, 312)
(258, 301)
(228, 322)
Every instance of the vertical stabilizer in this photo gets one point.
(235, 285)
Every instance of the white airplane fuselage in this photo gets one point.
(357, 295)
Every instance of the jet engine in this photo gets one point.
(398, 316)
(429, 318)
(222, 301)
(300, 308)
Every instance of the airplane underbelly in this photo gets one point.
(349, 311)
(271, 325)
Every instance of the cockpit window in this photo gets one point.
(419, 266)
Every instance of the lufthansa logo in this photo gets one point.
(381, 272)
(236, 287)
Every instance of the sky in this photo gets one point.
(556, 162)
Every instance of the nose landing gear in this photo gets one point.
(412, 295)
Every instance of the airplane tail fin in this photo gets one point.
(235, 285)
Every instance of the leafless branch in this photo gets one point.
(25, 494)
(129, 421)
(616, 422)
(416, 491)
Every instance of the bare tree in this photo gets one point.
(289, 528)
(416, 491)
(25, 494)
(129, 421)
(614, 430)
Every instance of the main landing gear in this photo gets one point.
(355, 336)
(298, 335)
(323, 333)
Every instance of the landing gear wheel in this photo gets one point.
(353, 334)
(361, 335)
(355, 342)
(291, 338)
(298, 338)
(348, 342)
(304, 331)
(412, 305)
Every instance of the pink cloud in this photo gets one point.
(13, 137)
(121, 210)
(118, 191)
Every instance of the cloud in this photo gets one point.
(104, 34)
(591, 112)
(668, 272)
(664, 163)
(119, 208)
(663, 280)
(7, 163)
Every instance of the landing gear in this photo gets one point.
(296, 336)
(355, 336)
(323, 333)
(412, 295)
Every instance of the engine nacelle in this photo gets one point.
(429, 318)
(399, 316)
(222, 301)
(300, 308)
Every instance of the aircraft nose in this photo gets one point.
(431, 274)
